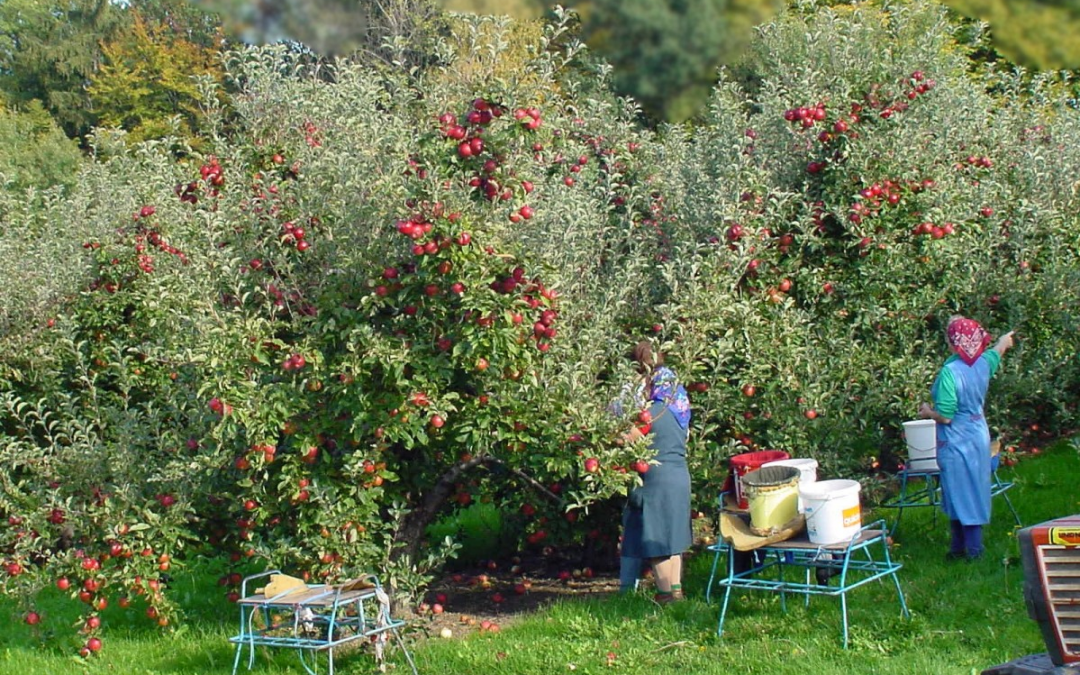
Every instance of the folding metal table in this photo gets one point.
(843, 567)
(922, 487)
(316, 618)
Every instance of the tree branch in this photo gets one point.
(411, 529)
(535, 484)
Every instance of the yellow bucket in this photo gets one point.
(773, 493)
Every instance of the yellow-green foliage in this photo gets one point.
(519, 9)
(147, 85)
(492, 50)
(1038, 35)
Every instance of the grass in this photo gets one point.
(477, 529)
(965, 617)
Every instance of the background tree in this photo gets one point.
(48, 52)
(665, 54)
(391, 30)
(147, 81)
(187, 20)
(1038, 35)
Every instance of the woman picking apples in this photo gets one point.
(963, 438)
(656, 519)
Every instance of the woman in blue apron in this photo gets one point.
(656, 520)
(963, 437)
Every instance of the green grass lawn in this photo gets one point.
(965, 617)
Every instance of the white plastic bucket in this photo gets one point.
(807, 472)
(833, 511)
(921, 437)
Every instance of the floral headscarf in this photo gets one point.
(665, 388)
(968, 339)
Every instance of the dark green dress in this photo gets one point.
(656, 520)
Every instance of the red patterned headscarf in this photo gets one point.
(968, 339)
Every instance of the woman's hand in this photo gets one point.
(1004, 343)
(632, 435)
(928, 413)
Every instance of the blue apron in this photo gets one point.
(963, 447)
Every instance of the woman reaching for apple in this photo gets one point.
(656, 519)
(963, 437)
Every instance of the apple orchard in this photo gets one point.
(376, 296)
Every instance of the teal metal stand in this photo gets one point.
(919, 488)
(838, 569)
(314, 619)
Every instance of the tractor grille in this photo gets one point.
(1062, 567)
